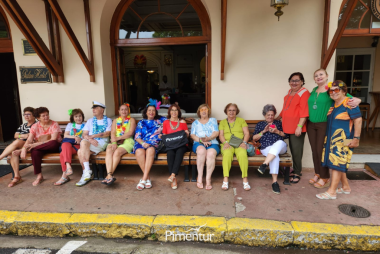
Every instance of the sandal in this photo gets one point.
(170, 179)
(148, 184)
(324, 185)
(341, 191)
(208, 186)
(62, 181)
(312, 181)
(14, 183)
(246, 186)
(225, 186)
(141, 185)
(325, 196)
(109, 181)
(38, 182)
(199, 185)
(296, 177)
(174, 184)
(69, 171)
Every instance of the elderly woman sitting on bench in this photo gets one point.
(271, 137)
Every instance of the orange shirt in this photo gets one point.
(167, 130)
(295, 107)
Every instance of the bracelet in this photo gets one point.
(225, 142)
(299, 125)
(260, 133)
(19, 136)
(114, 143)
(200, 140)
(142, 144)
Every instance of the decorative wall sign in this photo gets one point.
(375, 7)
(27, 48)
(139, 61)
(37, 74)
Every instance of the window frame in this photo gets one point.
(354, 52)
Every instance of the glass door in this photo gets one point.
(355, 68)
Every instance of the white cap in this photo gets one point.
(97, 104)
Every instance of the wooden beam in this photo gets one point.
(326, 29)
(57, 45)
(339, 32)
(89, 37)
(49, 23)
(70, 33)
(30, 33)
(224, 35)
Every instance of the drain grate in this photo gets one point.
(354, 211)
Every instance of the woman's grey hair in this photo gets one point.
(269, 107)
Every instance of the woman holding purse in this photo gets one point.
(45, 137)
(231, 130)
(173, 124)
(70, 143)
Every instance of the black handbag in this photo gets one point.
(175, 140)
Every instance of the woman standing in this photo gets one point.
(294, 114)
(45, 137)
(148, 135)
(204, 132)
(319, 103)
(234, 126)
(123, 129)
(73, 134)
(22, 133)
(175, 156)
(342, 135)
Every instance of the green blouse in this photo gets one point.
(236, 128)
(323, 103)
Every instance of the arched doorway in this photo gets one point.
(10, 112)
(178, 34)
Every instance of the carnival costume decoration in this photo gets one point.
(96, 129)
(154, 103)
(165, 97)
(121, 126)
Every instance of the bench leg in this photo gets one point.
(187, 174)
(194, 173)
(286, 176)
(95, 171)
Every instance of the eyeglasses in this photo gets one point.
(294, 81)
(232, 110)
(336, 90)
(174, 110)
(203, 109)
(27, 114)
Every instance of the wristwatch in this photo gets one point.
(245, 142)
(357, 137)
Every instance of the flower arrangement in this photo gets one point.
(165, 97)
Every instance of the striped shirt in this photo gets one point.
(24, 128)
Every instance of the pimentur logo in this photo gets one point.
(190, 235)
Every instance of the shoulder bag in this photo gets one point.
(175, 140)
(234, 141)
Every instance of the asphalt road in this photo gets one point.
(41, 245)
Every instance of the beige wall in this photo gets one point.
(261, 53)
(365, 42)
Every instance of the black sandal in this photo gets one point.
(108, 181)
(296, 177)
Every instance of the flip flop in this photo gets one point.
(325, 196)
(208, 187)
(38, 182)
(199, 184)
(65, 180)
(12, 184)
(341, 191)
(69, 171)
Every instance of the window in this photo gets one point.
(3, 28)
(362, 21)
(159, 19)
(355, 68)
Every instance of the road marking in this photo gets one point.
(32, 251)
(70, 247)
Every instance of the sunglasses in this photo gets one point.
(335, 90)
(203, 109)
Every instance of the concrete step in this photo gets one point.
(358, 161)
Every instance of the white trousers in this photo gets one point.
(276, 149)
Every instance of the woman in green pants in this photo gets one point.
(239, 128)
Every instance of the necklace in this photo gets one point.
(290, 100)
(172, 127)
(232, 125)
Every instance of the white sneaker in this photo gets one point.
(81, 182)
(87, 175)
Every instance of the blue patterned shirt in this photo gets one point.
(268, 138)
(205, 130)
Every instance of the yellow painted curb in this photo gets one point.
(329, 236)
(42, 224)
(7, 219)
(194, 228)
(110, 226)
(256, 232)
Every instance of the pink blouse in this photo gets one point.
(37, 130)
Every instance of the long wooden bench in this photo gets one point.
(189, 160)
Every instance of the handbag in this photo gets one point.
(234, 141)
(44, 138)
(175, 140)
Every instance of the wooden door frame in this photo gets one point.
(6, 45)
(116, 42)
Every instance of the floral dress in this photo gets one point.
(148, 131)
(340, 126)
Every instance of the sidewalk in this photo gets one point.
(284, 214)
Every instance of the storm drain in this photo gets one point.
(354, 211)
